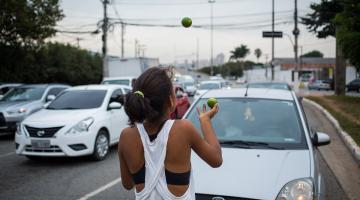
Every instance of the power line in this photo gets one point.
(132, 3)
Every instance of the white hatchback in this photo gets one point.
(269, 151)
(83, 120)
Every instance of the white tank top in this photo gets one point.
(155, 180)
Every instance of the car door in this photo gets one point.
(117, 117)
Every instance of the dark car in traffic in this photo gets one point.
(354, 85)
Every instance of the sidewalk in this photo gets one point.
(336, 155)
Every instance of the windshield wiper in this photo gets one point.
(248, 144)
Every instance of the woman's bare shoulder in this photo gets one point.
(127, 134)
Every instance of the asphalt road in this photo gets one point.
(81, 178)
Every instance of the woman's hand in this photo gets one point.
(207, 114)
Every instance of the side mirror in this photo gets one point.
(46, 104)
(320, 139)
(114, 105)
(50, 98)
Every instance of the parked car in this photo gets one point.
(125, 80)
(83, 120)
(270, 85)
(207, 85)
(4, 88)
(182, 103)
(24, 100)
(189, 88)
(267, 147)
(354, 85)
(319, 85)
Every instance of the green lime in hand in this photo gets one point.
(211, 102)
(186, 22)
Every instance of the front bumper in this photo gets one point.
(59, 144)
(8, 124)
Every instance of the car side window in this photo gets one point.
(55, 91)
(116, 96)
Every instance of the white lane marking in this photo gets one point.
(7, 154)
(102, 188)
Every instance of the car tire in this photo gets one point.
(101, 146)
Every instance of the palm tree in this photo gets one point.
(258, 53)
(239, 53)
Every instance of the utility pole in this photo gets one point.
(136, 48)
(78, 41)
(104, 39)
(197, 53)
(272, 40)
(122, 39)
(212, 37)
(296, 35)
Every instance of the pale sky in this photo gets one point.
(248, 17)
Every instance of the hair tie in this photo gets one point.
(138, 92)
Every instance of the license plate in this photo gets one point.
(40, 143)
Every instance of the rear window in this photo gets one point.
(209, 86)
(274, 122)
(117, 82)
(78, 99)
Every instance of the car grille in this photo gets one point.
(51, 149)
(219, 197)
(2, 120)
(42, 132)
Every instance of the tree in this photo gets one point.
(258, 53)
(313, 53)
(349, 33)
(322, 22)
(239, 52)
(28, 22)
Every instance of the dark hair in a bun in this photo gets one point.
(155, 85)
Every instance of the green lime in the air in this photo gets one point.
(211, 102)
(186, 22)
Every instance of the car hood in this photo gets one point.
(14, 105)
(58, 117)
(250, 173)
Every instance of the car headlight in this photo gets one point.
(17, 112)
(300, 189)
(82, 126)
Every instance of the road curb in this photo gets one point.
(349, 142)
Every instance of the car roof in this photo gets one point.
(212, 81)
(99, 87)
(258, 93)
(44, 85)
(119, 77)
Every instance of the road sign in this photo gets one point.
(275, 34)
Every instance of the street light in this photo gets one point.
(212, 36)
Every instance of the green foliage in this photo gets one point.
(321, 20)
(258, 53)
(349, 31)
(313, 53)
(230, 69)
(239, 52)
(28, 22)
(52, 63)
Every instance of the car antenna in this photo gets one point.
(247, 87)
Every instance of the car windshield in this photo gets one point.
(281, 86)
(24, 94)
(117, 82)
(188, 84)
(209, 86)
(78, 99)
(273, 123)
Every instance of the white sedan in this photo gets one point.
(83, 120)
(268, 149)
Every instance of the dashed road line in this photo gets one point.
(100, 189)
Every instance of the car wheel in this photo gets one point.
(101, 146)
